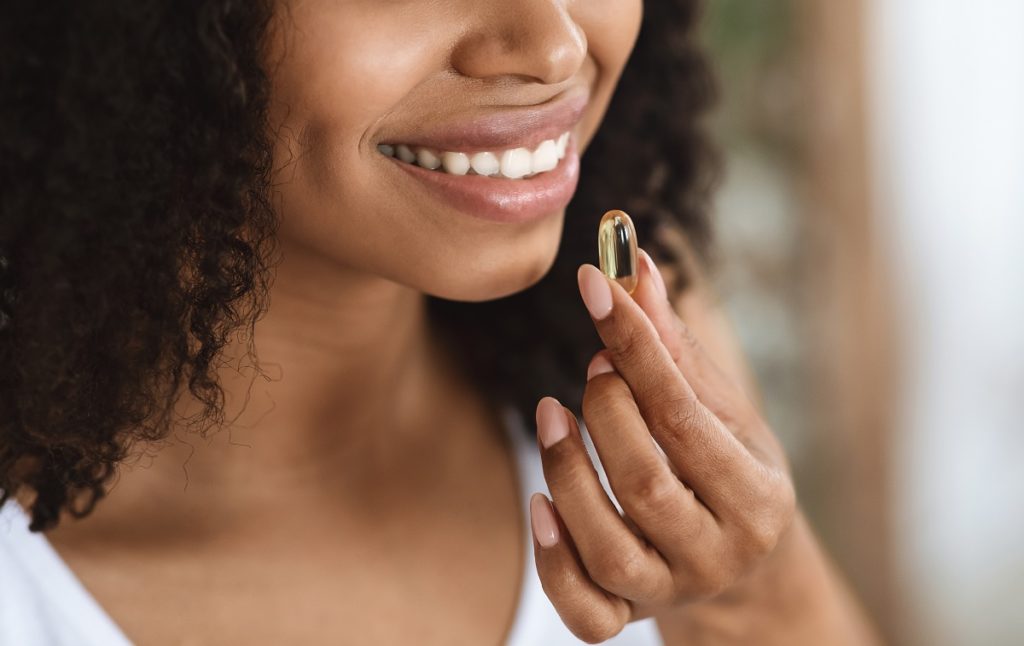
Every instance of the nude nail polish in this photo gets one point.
(595, 290)
(552, 424)
(545, 527)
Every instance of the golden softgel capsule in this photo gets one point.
(616, 248)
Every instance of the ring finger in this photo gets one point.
(615, 557)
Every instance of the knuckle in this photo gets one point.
(655, 490)
(764, 525)
(632, 344)
(598, 628)
(568, 483)
(619, 571)
(761, 533)
(683, 411)
(676, 414)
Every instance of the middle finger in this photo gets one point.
(709, 458)
(663, 508)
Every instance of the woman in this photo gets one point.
(363, 204)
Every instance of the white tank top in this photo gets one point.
(42, 602)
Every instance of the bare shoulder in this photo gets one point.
(699, 306)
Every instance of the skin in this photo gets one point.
(408, 60)
(710, 543)
(344, 473)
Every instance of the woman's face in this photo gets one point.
(491, 85)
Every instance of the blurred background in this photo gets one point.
(872, 225)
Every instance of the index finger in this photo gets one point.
(706, 454)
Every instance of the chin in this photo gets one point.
(497, 273)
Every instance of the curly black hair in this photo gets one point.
(137, 234)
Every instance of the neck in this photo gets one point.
(356, 391)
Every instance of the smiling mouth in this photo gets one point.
(514, 163)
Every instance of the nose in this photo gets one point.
(536, 39)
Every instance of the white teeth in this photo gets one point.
(455, 163)
(427, 159)
(515, 163)
(485, 163)
(545, 157)
(405, 153)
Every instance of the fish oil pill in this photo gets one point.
(616, 248)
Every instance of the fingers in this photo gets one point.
(705, 453)
(591, 613)
(704, 545)
(657, 407)
(663, 508)
(713, 387)
(615, 557)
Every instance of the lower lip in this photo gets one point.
(500, 199)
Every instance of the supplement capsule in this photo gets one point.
(616, 248)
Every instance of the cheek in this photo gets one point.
(340, 69)
(337, 69)
(611, 27)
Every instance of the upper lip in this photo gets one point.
(501, 129)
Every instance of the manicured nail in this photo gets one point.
(596, 292)
(552, 424)
(542, 517)
(598, 366)
(659, 280)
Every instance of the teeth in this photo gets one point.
(455, 163)
(485, 163)
(563, 142)
(405, 153)
(427, 159)
(515, 163)
(545, 157)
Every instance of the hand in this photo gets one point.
(702, 481)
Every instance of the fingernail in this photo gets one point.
(598, 366)
(552, 424)
(542, 517)
(659, 280)
(596, 292)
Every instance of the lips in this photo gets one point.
(499, 129)
(498, 198)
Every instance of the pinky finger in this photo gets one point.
(587, 610)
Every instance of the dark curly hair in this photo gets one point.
(137, 235)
